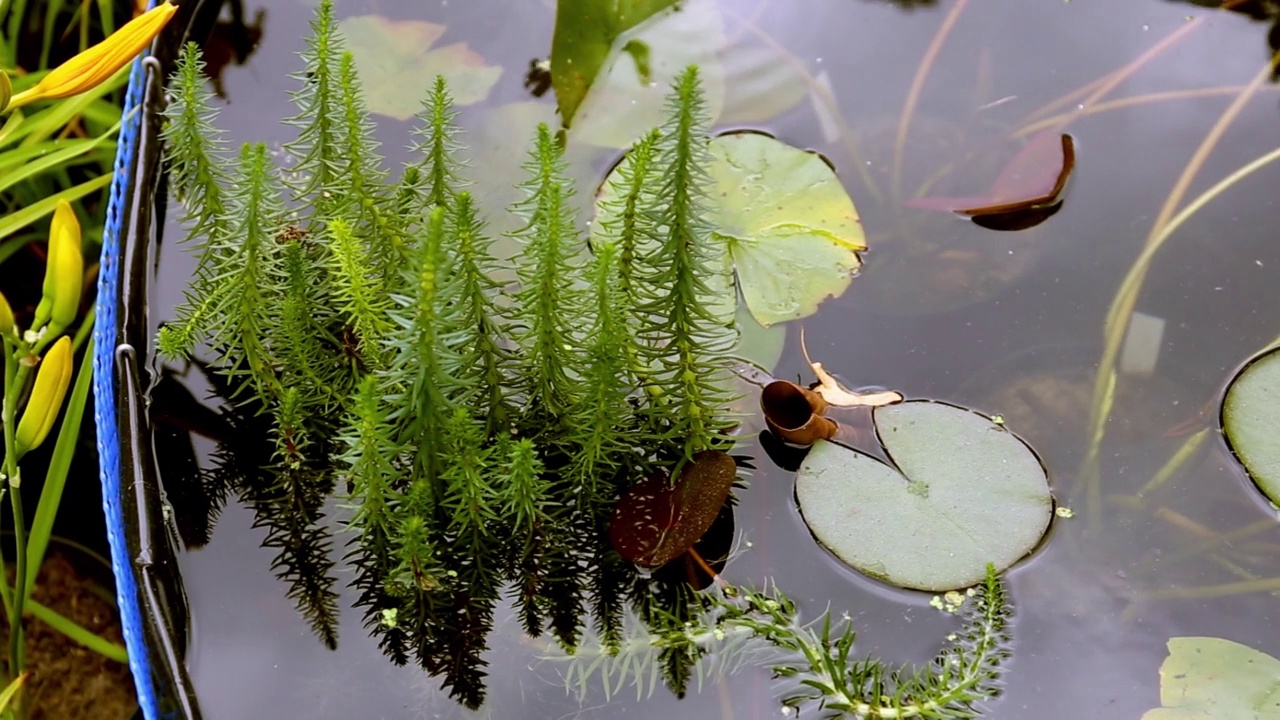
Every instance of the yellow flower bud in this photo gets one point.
(7, 325)
(6, 90)
(52, 380)
(93, 66)
(63, 273)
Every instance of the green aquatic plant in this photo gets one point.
(734, 629)
(478, 437)
(483, 437)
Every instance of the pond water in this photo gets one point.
(1009, 323)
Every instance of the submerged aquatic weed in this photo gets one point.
(735, 630)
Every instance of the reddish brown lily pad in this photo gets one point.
(656, 521)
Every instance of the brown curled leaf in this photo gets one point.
(794, 413)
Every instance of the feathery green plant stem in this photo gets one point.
(548, 305)
(438, 146)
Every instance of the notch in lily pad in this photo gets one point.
(657, 520)
(959, 491)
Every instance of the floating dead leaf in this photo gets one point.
(656, 521)
(837, 394)
(1026, 193)
(712, 549)
(794, 413)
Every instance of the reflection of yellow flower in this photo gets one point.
(93, 66)
(52, 380)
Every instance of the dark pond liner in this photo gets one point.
(143, 548)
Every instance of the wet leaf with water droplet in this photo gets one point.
(793, 232)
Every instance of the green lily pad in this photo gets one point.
(585, 33)
(397, 64)
(793, 232)
(1206, 677)
(965, 492)
(1251, 417)
(628, 96)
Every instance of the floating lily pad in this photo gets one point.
(397, 64)
(793, 232)
(965, 492)
(1206, 677)
(1251, 419)
(656, 520)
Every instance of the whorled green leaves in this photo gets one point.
(965, 492)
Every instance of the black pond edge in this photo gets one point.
(149, 590)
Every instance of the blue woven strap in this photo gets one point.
(105, 334)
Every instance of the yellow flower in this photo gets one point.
(93, 66)
(63, 273)
(52, 380)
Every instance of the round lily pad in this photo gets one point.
(1251, 419)
(1207, 677)
(965, 492)
(792, 230)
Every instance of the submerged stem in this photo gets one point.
(1126, 299)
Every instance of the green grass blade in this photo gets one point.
(60, 158)
(78, 633)
(56, 477)
(14, 222)
(11, 690)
